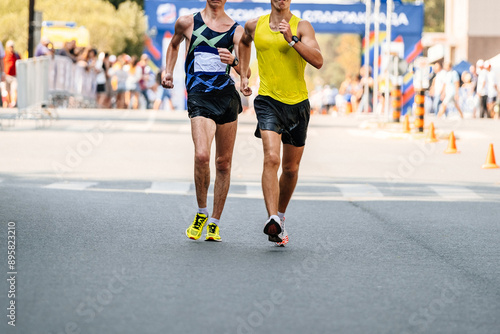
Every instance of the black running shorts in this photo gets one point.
(289, 120)
(220, 106)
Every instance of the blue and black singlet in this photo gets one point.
(204, 70)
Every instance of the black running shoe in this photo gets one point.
(273, 229)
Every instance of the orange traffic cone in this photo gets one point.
(452, 146)
(431, 137)
(490, 159)
(406, 124)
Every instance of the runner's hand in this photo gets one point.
(286, 31)
(226, 57)
(167, 80)
(247, 91)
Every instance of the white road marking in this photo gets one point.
(254, 190)
(71, 185)
(169, 187)
(455, 192)
(358, 190)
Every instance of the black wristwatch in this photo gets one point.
(235, 61)
(295, 39)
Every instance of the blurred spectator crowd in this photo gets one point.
(121, 81)
(472, 92)
(129, 82)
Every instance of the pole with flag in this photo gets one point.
(388, 40)
(376, 54)
(368, 4)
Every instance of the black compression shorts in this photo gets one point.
(220, 106)
(289, 120)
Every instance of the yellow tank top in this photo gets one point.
(281, 68)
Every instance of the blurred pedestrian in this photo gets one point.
(450, 90)
(436, 90)
(344, 96)
(102, 77)
(2, 73)
(42, 49)
(118, 81)
(467, 94)
(134, 75)
(68, 50)
(482, 89)
(10, 59)
(492, 89)
(161, 94)
(365, 79)
(143, 82)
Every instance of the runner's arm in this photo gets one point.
(307, 46)
(183, 24)
(230, 57)
(245, 52)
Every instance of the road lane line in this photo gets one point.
(169, 188)
(455, 192)
(358, 190)
(70, 185)
(254, 190)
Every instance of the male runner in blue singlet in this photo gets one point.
(213, 102)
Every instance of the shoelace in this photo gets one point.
(199, 221)
(211, 228)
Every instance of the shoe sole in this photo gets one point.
(274, 238)
(283, 242)
(272, 229)
(213, 240)
(192, 238)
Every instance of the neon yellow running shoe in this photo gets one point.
(213, 232)
(194, 231)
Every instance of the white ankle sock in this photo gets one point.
(276, 218)
(213, 220)
(281, 215)
(203, 211)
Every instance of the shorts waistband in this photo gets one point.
(229, 89)
(266, 97)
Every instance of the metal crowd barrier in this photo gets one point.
(71, 84)
(45, 83)
(32, 84)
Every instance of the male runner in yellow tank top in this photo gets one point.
(284, 45)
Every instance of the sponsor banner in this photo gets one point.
(324, 17)
(407, 23)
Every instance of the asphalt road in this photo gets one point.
(374, 247)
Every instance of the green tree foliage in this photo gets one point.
(111, 30)
(341, 58)
(434, 15)
(117, 3)
(14, 23)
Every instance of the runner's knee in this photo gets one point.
(272, 160)
(290, 170)
(223, 164)
(202, 158)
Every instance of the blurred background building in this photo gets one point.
(471, 32)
